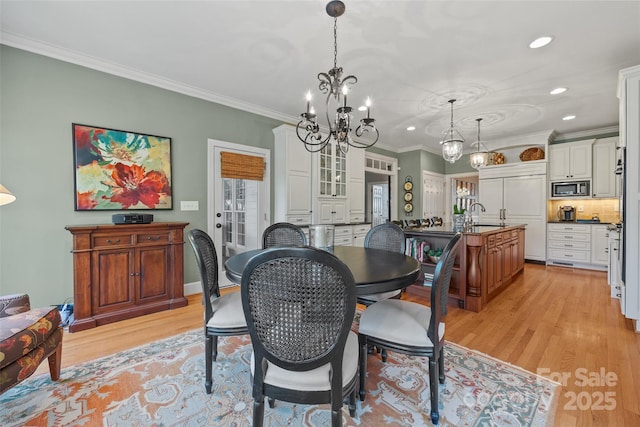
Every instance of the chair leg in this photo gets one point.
(352, 403)
(362, 342)
(215, 348)
(336, 414)
(55, 360)
(208, 361)
(272, 402)
(384, 355)
(258, 412)
(441, 365)
(433, 388)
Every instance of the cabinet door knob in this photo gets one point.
(153, 238)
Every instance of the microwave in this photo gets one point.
(570, 189)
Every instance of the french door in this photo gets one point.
(238, 209)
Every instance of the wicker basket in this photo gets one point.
(496, 158)
(533, 153)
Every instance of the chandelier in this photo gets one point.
(452, 141)
(479, 158)
(336, 88)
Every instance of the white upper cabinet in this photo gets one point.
(604, 165)
(292, 176)
(332, 171)
(570, 161)
(355, 162)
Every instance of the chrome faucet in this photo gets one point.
(482, 208)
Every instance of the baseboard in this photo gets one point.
(192, 288)
(195, 288)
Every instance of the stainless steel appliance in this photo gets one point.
(570, 189)
(615, 260)
(566, 213)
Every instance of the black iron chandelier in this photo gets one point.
(336, 88)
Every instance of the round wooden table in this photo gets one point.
(374, 270)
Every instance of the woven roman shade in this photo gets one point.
(241, 166)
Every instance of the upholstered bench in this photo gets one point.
(27, 337)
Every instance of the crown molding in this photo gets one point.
(586, 134)
(86, 61)
(76, 58)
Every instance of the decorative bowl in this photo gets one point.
(434, 259)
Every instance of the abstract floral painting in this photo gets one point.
(120, 170)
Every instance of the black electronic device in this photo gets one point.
(132, 218)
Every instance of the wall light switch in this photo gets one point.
(189, 205)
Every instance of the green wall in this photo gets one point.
(41, 98)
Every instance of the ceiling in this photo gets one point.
(410, 57)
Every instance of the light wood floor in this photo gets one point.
(556, 321)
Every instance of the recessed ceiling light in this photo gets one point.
(411, 128)
(540, 42)
(571, 117)
(362, 108)
(558, 90)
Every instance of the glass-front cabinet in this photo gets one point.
(332, 172)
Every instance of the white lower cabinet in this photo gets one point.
(577, 245)
(600, 245)
(359, 233)
(343, 235)
(331, 211)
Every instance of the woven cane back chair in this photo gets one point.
(390, 237)
(300, 305)
(223, 315)
(412, 328)
(283, 234)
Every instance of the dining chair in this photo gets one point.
(299, 303)
(390, 237)
(411, 328)
(223, 314)
(283, 234)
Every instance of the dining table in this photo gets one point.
(374, 270)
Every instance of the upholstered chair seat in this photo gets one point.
(316, 379)
(227, 312)
(27, 337)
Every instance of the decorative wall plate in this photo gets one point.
(408, 186)
(408, 207)
(408, 197)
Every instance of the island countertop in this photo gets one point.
(448, 229)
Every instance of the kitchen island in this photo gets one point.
(489, 258)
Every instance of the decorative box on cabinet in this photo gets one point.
(125, 271)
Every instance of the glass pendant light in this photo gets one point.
(480, 157)
(452, 141)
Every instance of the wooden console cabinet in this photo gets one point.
(125, 271)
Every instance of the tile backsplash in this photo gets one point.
(605, 209)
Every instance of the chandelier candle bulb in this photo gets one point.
(308, 101)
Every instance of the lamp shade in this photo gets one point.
(5, 196)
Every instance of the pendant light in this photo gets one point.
(480, 157)
(452, 141)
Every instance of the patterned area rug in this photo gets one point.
(162, 384)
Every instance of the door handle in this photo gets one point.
(218, 225)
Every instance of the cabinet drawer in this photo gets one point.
(299, 219)
(343, 231)
(361, 229)
(570, 244)
(569, 236)
(153, 238)
(569, 255)
(356, 217)
(343, 240)
(571, 228)
(113, 240)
